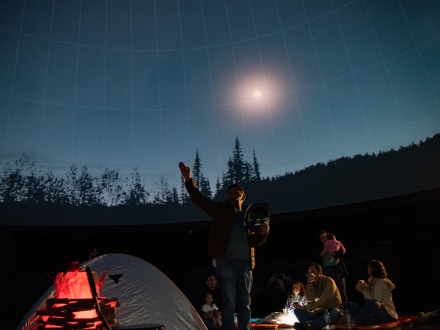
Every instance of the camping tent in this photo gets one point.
(145, 295)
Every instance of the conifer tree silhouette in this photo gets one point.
(199, 178)
(256, 175)
(183, 194)
(137, 194)
(197, 170)
(238, 169)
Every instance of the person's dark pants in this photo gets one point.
(369, 313)
(234, 279)
(304, 316)
(335, 273)
(208, 322)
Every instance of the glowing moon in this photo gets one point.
(257, 94)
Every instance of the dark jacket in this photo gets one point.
(223, 218)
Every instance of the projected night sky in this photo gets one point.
(124, 84)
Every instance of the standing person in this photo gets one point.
(232, 246)
(331, 267)
(321, 294)
(379, 306)
(321, 237)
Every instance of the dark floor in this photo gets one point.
(414, 325)
(19, 295)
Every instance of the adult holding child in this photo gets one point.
(379, 307)
(330, 263)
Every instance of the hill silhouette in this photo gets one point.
(342, 181)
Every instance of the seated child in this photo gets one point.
(211, 311)
(332, 245)
(297, 296)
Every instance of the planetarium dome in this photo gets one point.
(135, 86)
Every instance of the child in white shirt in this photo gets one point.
(211, 310)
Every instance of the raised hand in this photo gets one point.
(185, 170)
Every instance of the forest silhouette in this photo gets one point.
(29, 196)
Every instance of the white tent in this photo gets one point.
(145, 294)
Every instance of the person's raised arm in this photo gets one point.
(206, 204)
(185, 170)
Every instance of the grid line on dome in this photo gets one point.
(322, 79)
(387, 71)
(294, 85)
(354, 79)
(45, 81)
(420, 56)
(267, 90)
(13, 79)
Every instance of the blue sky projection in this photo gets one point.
(142, 83)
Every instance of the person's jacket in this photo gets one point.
(380, 289)
(322, 295)
(223, 218)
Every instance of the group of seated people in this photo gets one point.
(305, 306)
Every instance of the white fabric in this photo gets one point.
(280, 318)
(145, 294)
(208, 308)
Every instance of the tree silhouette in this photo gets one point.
(198, 177)
(248, 172)
(55, 189)
(238, 169)
(173, 196)
(81, 187)
(197, 170)
(343, 180)
(13, 181)
(183, 193)
(111, 191)
(136, 194)
(218, 186)
(228, 177)
(205, 187)
(165, 194)
(256, 175)
(35, 187)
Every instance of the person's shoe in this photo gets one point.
(310, 326)
(343, 319)
(298, 326)
(423, 318)
(370, 321)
